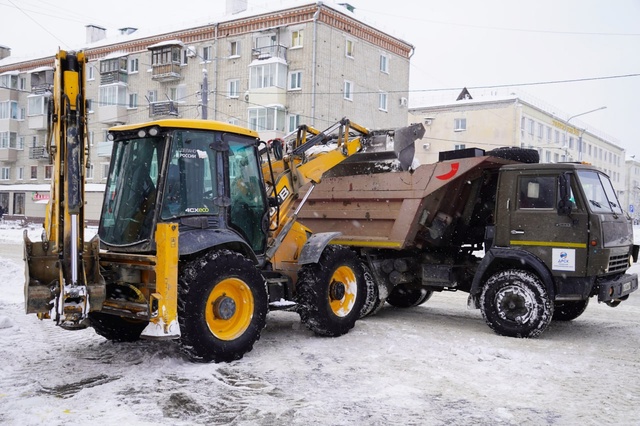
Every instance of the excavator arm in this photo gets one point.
(63, 249)
(304, 166)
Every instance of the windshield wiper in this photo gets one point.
(595, 203)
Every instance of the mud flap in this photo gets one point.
(313, 248)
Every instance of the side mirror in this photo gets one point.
(564, 204)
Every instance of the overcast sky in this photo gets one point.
(591, 45)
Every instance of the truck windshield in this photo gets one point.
(130, 195)
(599, 192)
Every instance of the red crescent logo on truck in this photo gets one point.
(451, 173)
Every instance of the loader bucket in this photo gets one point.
(384, 150)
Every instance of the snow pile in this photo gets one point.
(436, 364)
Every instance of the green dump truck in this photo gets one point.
(529, 242)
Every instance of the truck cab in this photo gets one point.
(564, 223)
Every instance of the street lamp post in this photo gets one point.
(581, 133)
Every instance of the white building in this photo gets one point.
(312, 63)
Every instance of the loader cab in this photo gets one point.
(203, 175)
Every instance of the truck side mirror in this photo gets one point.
(564, 204)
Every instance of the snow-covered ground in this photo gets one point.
(438, 364)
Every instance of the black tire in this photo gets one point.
(372, 301)
(222, 306)
(522, 155)
(408, 296)
(570, 310)
(515, 303)
(115, 328)
(331, 293)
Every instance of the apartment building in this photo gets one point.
(310, 63)
(490, 120)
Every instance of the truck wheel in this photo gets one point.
(115, 328)
(515, 303)
(523, 155)
(408, 296)
(222, 306)
(372, 301)
(567, 311)
(331, 293)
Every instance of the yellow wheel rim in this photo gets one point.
(229, 309)
(343, 289)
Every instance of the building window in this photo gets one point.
(90, 171)
(34, 172)
(271, 118)
(20, 143)
(5, 173)
(295, 80)
(293, 122)
(549, 134)
(531, 127)
(133, 66)
(9, 110)
(105, 170)
(9, 81)
(349, 48)
(8, 139)
(166, 55)
(233, 88)
(459, 146)
(570, 142)
(522, 125)
(268, 75)
(36, 105)
(459, 124)
(133, 100)
(113, 94)
(23, 84)
(234, 49)
(48, 172)
(297, 38)
(20, 173)
(348, 90)
(18, 203)
(91, 72)
(384, 63)
(382, 101)
(206, 53)
(540, 130)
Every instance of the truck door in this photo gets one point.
(534, 224)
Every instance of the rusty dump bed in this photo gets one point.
(397, 209)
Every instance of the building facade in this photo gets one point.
(492, 121)
(310, 64)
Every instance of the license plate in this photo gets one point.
(626, 287)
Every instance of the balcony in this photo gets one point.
(167, 108)
(37, 122)
(268, 52)
(114, 77)
(8, 155)
(166, 72)
(38, 153)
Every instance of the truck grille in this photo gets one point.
(618, 262)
